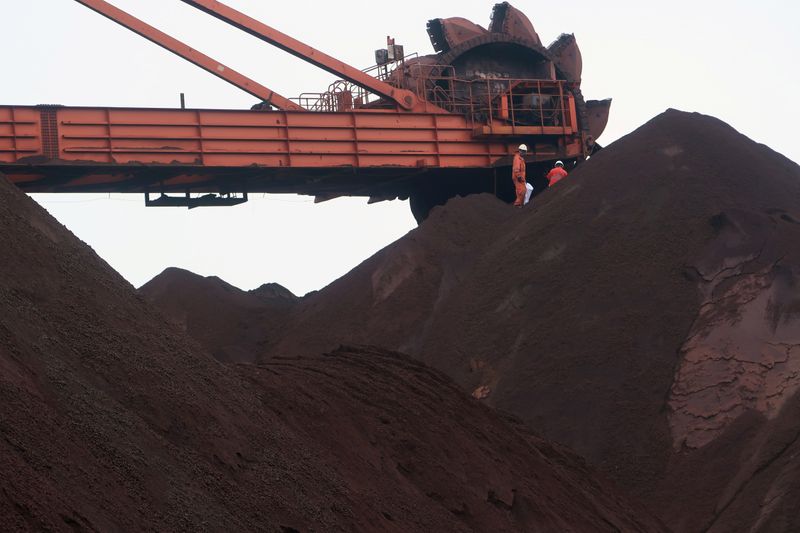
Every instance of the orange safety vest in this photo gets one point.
(556, 175)
(518, 170)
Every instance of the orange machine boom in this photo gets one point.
(424, 127)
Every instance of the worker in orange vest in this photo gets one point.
(518, 175)
(556, 174)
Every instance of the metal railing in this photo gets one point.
(343, 95)
(483, 100)
(486, 100)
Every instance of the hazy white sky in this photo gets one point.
(733, 59)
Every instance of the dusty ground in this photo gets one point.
(645, 312)
(234, 325)
(113, 419)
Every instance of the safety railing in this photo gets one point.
(482, 100)
(344, 96)
(486, 100)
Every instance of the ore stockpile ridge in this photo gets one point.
(645, 312)
(113, 419)
(219, 315)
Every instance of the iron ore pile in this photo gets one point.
(115, 419)
(621, 355)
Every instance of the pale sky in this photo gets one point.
(734, 59)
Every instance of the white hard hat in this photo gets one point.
(559, 163)
(523, 147)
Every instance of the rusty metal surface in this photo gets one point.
(567, 55)
(451, 32)
(597, 116)
(511, 21)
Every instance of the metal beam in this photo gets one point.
(201, 60)
(403, 98)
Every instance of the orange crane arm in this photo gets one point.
(201, 60)
(403, 98)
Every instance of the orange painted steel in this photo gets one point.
(20, 133)
(201, 60)
(429, 132)
(97, 149)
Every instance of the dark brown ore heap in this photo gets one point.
(219, 315)
(112, 419)
(645, 311)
